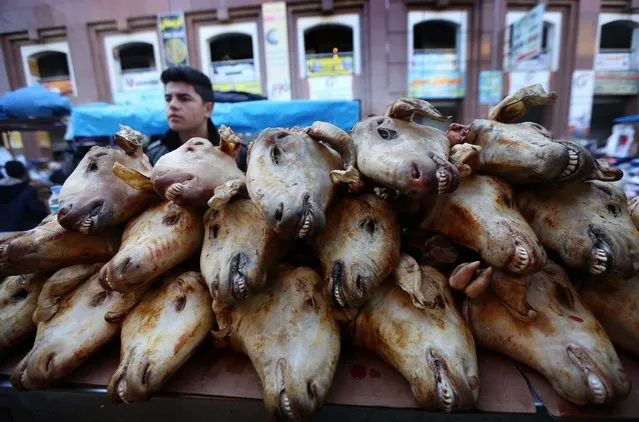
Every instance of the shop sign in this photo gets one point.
(617, 83)
(519, 80)
(436, 85)
(490, 86)
(154, 96)
(338, 87)
(581, 93)
(139, 81)
(172, 30)
(526, 35)
(333, 65)
(275, 32)
(434, 61)
(252, 87)
(613, 61)
(15, 139)
(63, 86)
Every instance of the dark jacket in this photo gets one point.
(171, 141)
(20, 207)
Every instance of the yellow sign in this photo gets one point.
(15, 139)
(175, 50)
(330, 66)
(43, 138)
(167, 22)
(252, 87)
(34, 69)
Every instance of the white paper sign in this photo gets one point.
(278, 73)
(518, 80)
(581, 93)
(330, 87)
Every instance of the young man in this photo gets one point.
(189, 103)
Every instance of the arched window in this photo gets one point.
(323, 39)
(616, 35)
(52, 65)
(435, 34)
(231, 46)
(136, 56)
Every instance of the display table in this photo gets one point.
(362, 383)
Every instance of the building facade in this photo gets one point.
(454, 53)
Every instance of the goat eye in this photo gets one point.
(614, 210)
(92, 167)
(369, 225)
(170, 220)
(387, 134)
(20, 295)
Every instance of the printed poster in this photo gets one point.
(278, 74)
(490, 86)
(174, 48)
(526, 35)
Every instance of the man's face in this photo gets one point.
(184, 107)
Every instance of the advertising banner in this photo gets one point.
(613, 61)
(278, 74)
(526, 35)
(436, 85)
(139, 81)
(490, 86)
(172, 30)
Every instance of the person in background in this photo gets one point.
(189, 104)
(58, 175)
(20, 207)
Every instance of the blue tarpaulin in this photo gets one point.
(33, 102)
(627, 119)
(243, 117)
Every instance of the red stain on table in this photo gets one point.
(576, 318)
(358, 371)
(374, 373)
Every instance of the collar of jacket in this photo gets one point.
(171, 139)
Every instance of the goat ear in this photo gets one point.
(515, 106)
(230, 143)
(406, 108)
(133, 178)
(129, 140)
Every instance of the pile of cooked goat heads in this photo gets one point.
(416, 244)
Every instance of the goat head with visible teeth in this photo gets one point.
(290, 336)
(288, 179)
(239, 250)
(560, 338)
(396, 152)
(482, 215)
(525, 152)
(93, 198)
(358, 248)
(159, 335)
(413, 324)
(588, 225)
(184, 175)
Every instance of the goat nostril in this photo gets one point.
(279, 212)
(64, 210)
(414, 172)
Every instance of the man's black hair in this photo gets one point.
(15, 169)
(198, 80)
